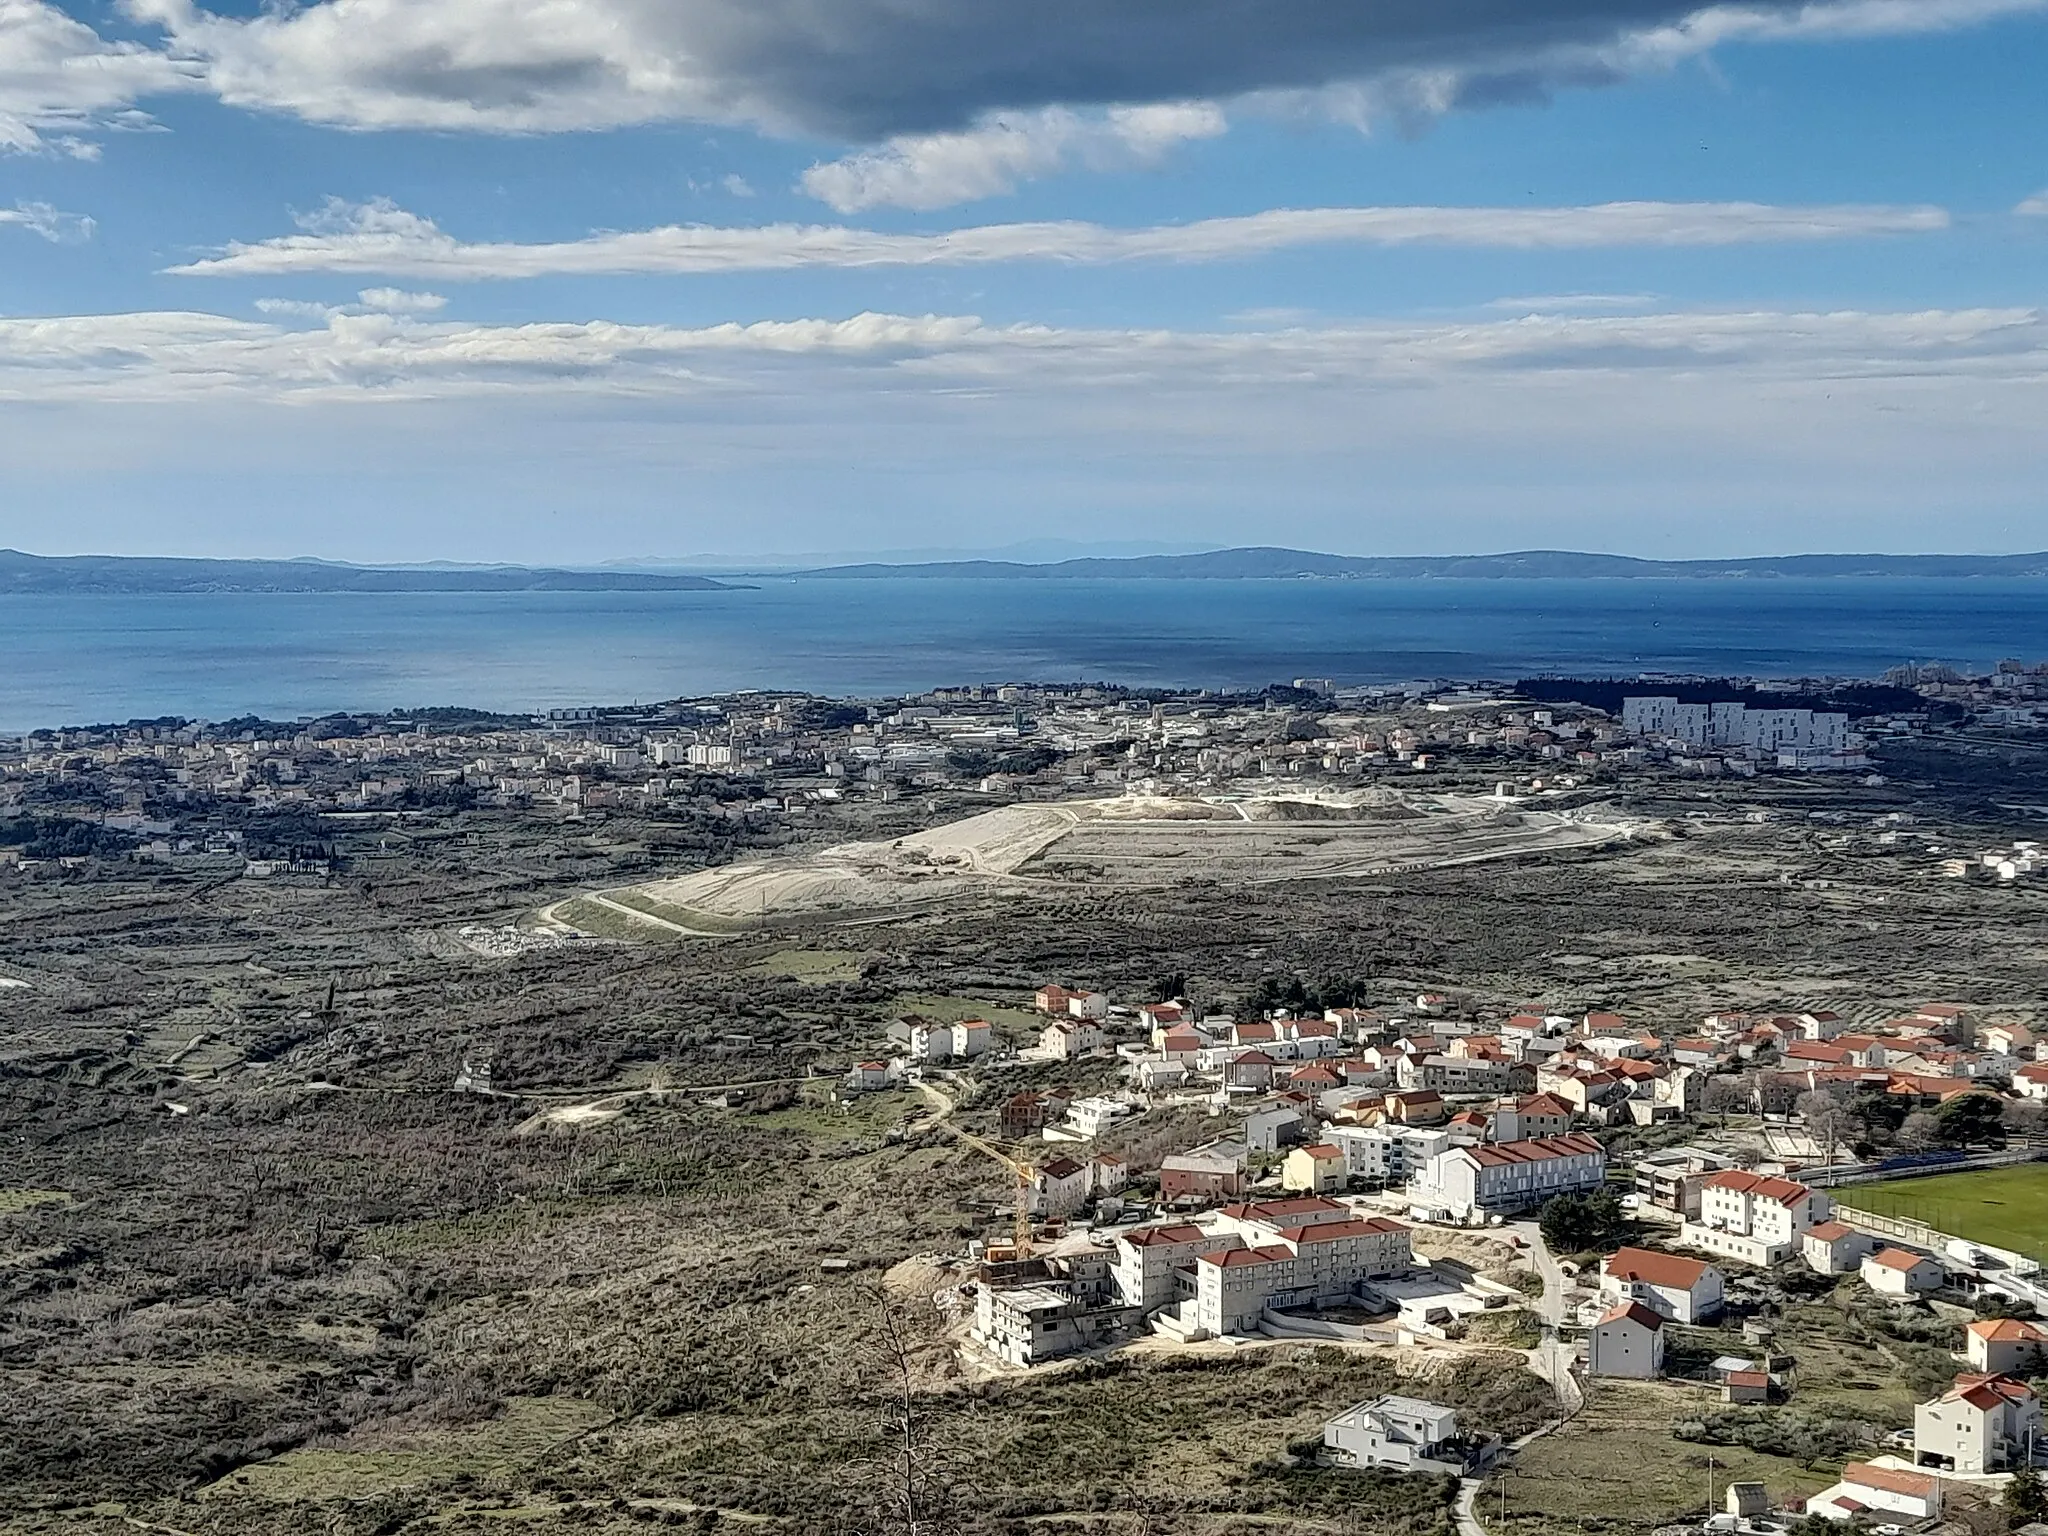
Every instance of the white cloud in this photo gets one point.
(57, 227)
(396, 301)
(937, 170)
(171, 356)
(737, 185)
(2035, 206)
(381, 237)
(58, 78)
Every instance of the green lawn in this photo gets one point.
(2007, 1207)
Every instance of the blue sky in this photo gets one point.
(605, 279)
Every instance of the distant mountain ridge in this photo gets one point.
(1552, 564)
(142, 576)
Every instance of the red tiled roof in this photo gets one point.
(1654, 1268)
(1759, 1186)
(1633, 1311)
(1747, 1379)
(1273, 1211)
(1331, 1231)
(1898, 1258)
(1830, 1231)
(1323, 1152)
(2005, 1330)
(1540, 1149)
(1231, 1258)
(1146, 1237)
(1864, 1475)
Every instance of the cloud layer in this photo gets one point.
(957, 92)
(180, 355)
(383, 238)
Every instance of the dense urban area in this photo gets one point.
(1513, 1108)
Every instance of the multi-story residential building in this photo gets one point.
(1754, 1217)
(1671, 1179)
(1867, 1491)
(1154, 1266)
(1320, 1258)
(1627, 1341)
(1316, 1170)
(1512, 1175)
(1981, 1424)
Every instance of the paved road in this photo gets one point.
(1551, 1359)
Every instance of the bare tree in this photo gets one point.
(907, 1482)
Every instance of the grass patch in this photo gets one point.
(815, 966)
(1617, 1466)
(368, 1465)
(13, 1201)
(693, 918)
(2006, 1207)
(606, 923)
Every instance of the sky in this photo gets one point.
(575, 281)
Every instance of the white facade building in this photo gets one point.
(1513, 1176)
(1755, 1218)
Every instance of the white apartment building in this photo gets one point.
(1755, 1218)
(1155, 1266)
(1293, 1266)
(1763, 731)
(1512, 1176)
(1981, 1424)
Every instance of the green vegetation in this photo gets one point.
(1617, 1467)
(12, 1200)
(1582, 1223)
(2006, 1207)
(811, 965)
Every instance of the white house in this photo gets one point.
(1867, 1491)
(1066, 1039)
(1753, 1217)
(1981, 1424)
(2031, 1081)
(970, 1037)
(2005, 1346)
(1835, 1247)
(1901, 1272)
(1513, 1176)
(1059, 1187)
(1627, 1341)
(867, 1076)
(1403, 1434)
(1684, 1290)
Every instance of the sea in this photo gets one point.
(90, 659)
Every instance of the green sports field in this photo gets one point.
(2006, 1207)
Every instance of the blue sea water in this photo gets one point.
(86, 659)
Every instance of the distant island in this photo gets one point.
(122, 574)
(1549, 564)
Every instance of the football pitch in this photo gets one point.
(2006, 1207)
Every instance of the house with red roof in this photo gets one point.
(1683, 1290)
(1902, 1272)
(2005, 1346)
(1835, 1247)
(1754, 1217)
(1984, 1423)
(1871, 1492)
(1627, 1341)
(1505, 1177)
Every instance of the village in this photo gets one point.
(1635, 1193)
(239, 793)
